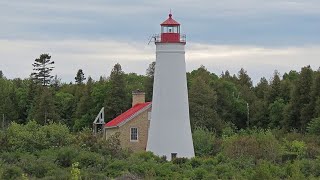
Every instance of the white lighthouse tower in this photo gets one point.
(170, 132)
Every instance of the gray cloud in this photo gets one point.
(97, 58)
(258, 35)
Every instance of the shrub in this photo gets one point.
(57, 135)
(32, 166)
(314, 126)
(75, 171)
(89, 159)
(195, 162)
(10, 157)
(11, 172)
(66, 156)
(3, 141)
(179, 160)
(26, 137)
(116, 168)
(256, 144)
(295, 148)
(203, 141)
(199, 173)
(34, 137)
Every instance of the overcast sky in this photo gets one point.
(258, 35)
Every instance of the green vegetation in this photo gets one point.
(34, 151)
(240, 130)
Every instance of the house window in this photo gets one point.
(134, 134)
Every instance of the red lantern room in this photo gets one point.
(170, 32)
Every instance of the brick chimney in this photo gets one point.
(138, 96)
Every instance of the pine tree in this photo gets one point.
(1, 74)
(43, 67)
(80, 77)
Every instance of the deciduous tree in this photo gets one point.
(116, 101)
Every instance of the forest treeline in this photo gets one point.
(240, 131)
(289, 102)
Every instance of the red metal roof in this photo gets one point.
(124, 116)
(170, 21)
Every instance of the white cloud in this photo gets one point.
(97, 57)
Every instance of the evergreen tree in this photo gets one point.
(66, 104)
(9, 109)
(275, 89)
(276, 113)
(149, 81)
(80, 77)
(21, 98)
(258, 114)
(226, 96)
(8, 101)
(244, 79)
(84, 115)
(262, 88)
(1, 74)
(43, 67)
(203, 100)
(44, 109)
(227, 76)
(299, 113)
(56, 83)
(203, 105)
(315, 95)
(116, 101)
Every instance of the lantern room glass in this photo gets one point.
(170, 29)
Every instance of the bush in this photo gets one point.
(295, 148)
(3, 141)
(57, 135)
(66, 156)
(179, 160)
(256, 144)
(89, 159)
(10, 157)
(203, 141)
(34, 137)
(26, 137)
(11, 172)
(314, 126)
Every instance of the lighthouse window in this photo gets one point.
(134, 134)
